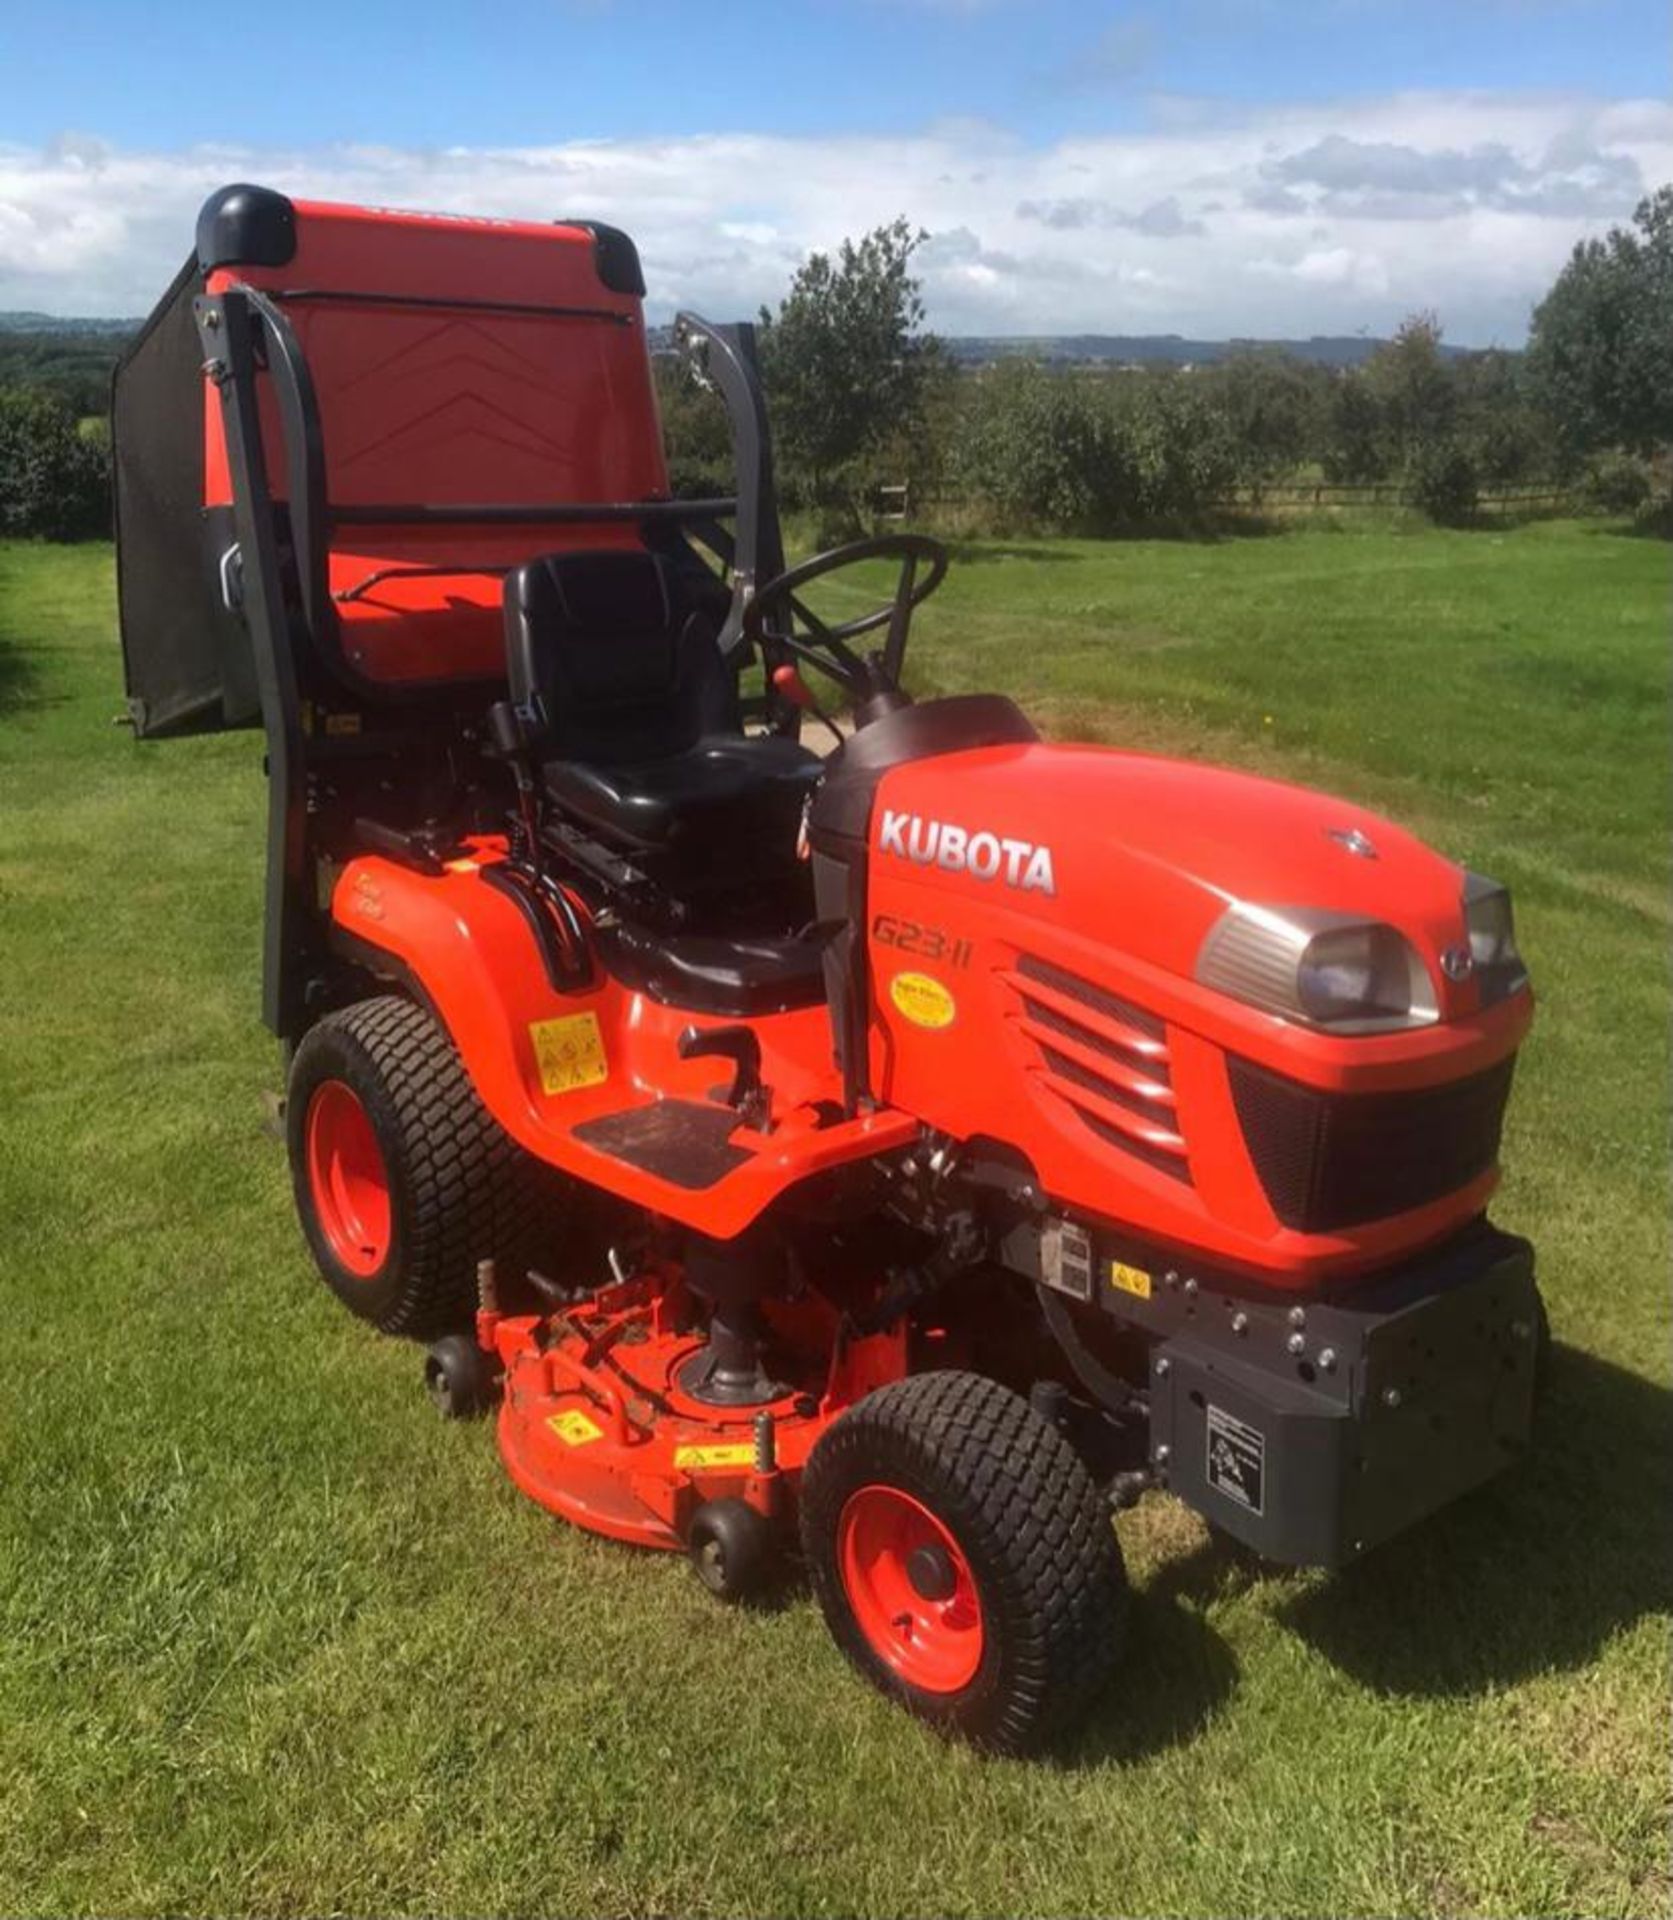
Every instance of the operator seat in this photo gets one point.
(644, 746)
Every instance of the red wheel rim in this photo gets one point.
(927, 1629)
(348, 1179)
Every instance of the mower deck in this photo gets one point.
(596, 1424)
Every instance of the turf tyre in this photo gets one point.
(459, 1189)
(1036, 1536)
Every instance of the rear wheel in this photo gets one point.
(403, 1180)
(963, 1558)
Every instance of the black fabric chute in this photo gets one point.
(186, 659)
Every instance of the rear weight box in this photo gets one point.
(1313, 1426)
(1423, 1399)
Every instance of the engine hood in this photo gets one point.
(1146, 853)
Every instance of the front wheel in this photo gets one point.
(964, 1560)
(403, 1179)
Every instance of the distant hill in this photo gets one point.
(53, 323)
(1132, 349)
(72, 358)
(1157, 349)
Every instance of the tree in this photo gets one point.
(844, 359)
(1508, 437)
(1270, 403)
(1040, 450)
(695, 433)
(1443, 482)
(54, 479)
(1356, 448)
(1600, 353)
(1178, 445)
(1411, 385)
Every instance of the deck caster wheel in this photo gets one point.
(732, 1548)
(461, 1380)
(964, 1560)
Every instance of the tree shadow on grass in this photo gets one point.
(1532, 1573)
(982, 553)
(19, 679)
(1657, 527)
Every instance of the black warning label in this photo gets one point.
(1236, 1456)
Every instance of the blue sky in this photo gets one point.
(1209, 166)
(530, 71)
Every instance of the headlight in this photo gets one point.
(1321, 968)
(1491, 926)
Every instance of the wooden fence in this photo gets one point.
(1316, 496)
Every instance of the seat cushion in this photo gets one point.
(739, 977)
(725, 785)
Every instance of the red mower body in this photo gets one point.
(925, 1146)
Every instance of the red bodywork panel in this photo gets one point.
(1144, 856)
(472, 952)
(453, 406)
(1134, 847)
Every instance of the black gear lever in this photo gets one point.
(739, 1045)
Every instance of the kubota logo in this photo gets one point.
(942, 843)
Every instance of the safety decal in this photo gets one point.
(706, 1459)
(1133, 1280)
(569, 1052)
(1236, 1456)
(923, 1001)
(574, 1428)
(1066, 1259)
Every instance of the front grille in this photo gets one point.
(1089, 995)
(1336, 1160)
(1106, 1058)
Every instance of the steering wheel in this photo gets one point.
(824, 645)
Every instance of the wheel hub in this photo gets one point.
(348, 1179)
(911, 1589)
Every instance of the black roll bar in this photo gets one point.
(725, 359)
(559, 513)
(227, 328)
(245, 333)
(346, 296)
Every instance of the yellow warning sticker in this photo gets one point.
(923, 1001)
(569, 1052)
(574, 1428)
(706, 1459)
(1133, 1280)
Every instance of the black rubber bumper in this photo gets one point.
(1311, 1432)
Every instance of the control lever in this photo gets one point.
(514, 734)
(740, 1045)
(511, 734)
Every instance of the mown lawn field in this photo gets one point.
(275, 1640)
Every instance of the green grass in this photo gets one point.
(273, 1639)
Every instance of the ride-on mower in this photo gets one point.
(904, 1157)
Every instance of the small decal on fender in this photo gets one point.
(569, 1052)
(923, 1001)
(706, 1459)
(1236, 1459)
(574, 1428)
(1066, 1259)
(1133, 1280)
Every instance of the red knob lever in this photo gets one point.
(789, 682)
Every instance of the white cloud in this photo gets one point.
(1291, 220)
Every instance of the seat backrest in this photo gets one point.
(620, 652)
